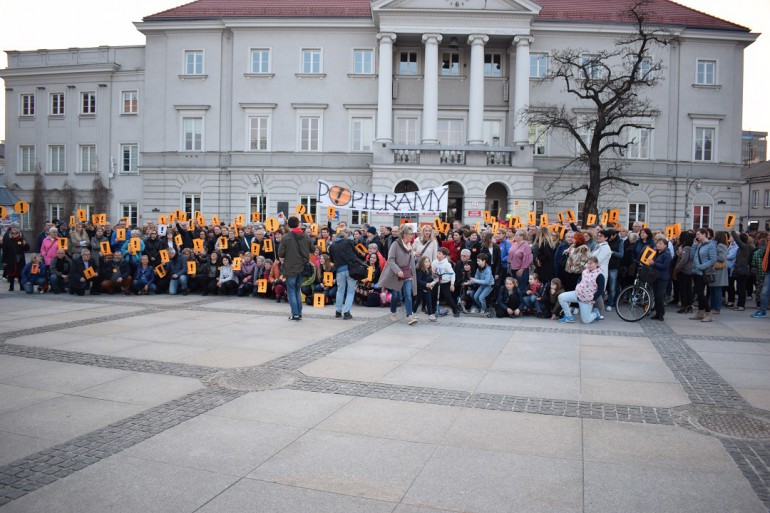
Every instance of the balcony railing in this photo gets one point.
(436, 154)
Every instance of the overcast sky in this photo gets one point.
(33, 24)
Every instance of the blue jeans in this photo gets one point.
(294, 293)
(346, 291)
(29, 287)
(532, 302)
(612, 286)
(173, 286)
(586, 309)
(57, 283)
(480, 297)
(140, 286)
(715, 298)
(404, 294)
(765, 294)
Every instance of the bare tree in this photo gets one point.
(68, 194)
(609, 87)
(38, 214)
(101, 194)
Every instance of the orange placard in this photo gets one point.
(120, 234)
(267, 245)
(163, 253)
(201, 220)
(271, 224)
(171, 218)
(105, 248)
(321, 243)
(192, 267)
(543, 219)
(198, 244)
(729, 221)
(314, 230)
(437, 223)
(677, 229)
(182, 217)
(605, 218)
(532, 218)
(215, 220)
(262, 286)
(237, 261)
(486, 216)
(300, 209)
(670, 232)
(644, 224)
(361, 249)
(328, 279)
(445, 228)
(94, 218)
(3, 211)
(591, 219)
(21, 207)
(178, 240)
(256, 217)
(647, 256)
(223, 243)
(82, 215)
(238, 221)
(127, 222)
(34, 269)
(160, 270)
(331, 212)
(102, 219)
(89, 273)
(571, 217)
(560, 216)
(308, 218)
(135, 245)
(162, 219)
(255, 248)
(369, 273)
(63, 243)
(72, 221)
(614, 215)
(318, 300)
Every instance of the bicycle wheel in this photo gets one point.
(633, 303)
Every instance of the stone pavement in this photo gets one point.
(192, 404)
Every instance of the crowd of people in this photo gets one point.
(500, 272)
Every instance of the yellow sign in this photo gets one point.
(72, 221)
(238, 221)
(171, 218)
(262, 286)
(308, 218)
(160, 270)
(591, 219)
(215, 220)
(162, 219)
(198, 244)
(560, 216)
(314, 230)
(63, 243)
(120, 234)
(200, 220)
(369, 273)
(318, 300)
(271, 224)
(361, 249)
(256, 217)
(135, 245)
(237, 261)
(300, 209)
(321, 243)
(3, 211)
(571, 217)
(82, 215)
(729, 221)
(267, 245)
(89, 273)
(21, 207)
(543, 219)
(102, 219)
(163, 253)
(331, 211)
(178, 240)
(605, 218)
(328, 279)
(105, 248)
(532, 218)
(255, 248)
(647, 256)
(614, 215)
(223, 243)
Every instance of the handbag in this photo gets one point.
(710, 275)
(407, 272)
(357, 269)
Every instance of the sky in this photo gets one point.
(34, 24)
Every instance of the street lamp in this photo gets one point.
(698, 186)
(261, 179)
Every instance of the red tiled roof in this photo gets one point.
(268, 8)
(602, 11)
(614, 11)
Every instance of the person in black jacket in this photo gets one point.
(342, 252)
(79, 282)
(465, 269)
(59, 270)
(508, 300)
(152, 246)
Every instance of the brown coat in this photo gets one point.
(398, 257)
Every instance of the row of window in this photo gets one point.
(755, 199)
(87, 159)
(311, 62)
(129, 103)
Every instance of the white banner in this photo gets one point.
(330, 195)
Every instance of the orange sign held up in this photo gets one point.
(318, 300)
(105, 248)
(63, 243)
(647, 255)
(328, 279)
(89, 273)
(591, 219)
(262, 286)
(198, 244)
(192, 267)
(255, 248)
(729, 221)
(543, 219)
(223, 243)
(163, 253)
(256, 217)
(271, 224)
(267, 245)
(160, 270)
(120, 234)
(21, 207)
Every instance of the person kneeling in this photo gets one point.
(590, 286)
(509, 300)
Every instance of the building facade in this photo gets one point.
(234, 107)
(754, 147)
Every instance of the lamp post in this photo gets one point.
(690, 183)
(261, 179)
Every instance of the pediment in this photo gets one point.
(478, 6)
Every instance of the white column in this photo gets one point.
(430, 89)
(385, 88)
(521, 89)
(476, 102)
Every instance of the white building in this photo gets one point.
(230, 101)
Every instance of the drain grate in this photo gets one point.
(744, 424)
(252, 379)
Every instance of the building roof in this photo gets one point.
(761, 170)
(603, 11)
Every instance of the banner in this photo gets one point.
(428, 200)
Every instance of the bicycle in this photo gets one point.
(636, 301)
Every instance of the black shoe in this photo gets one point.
(457, 313)
(656, 318)
(347, 316)
(295, 317)
(338, 315)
